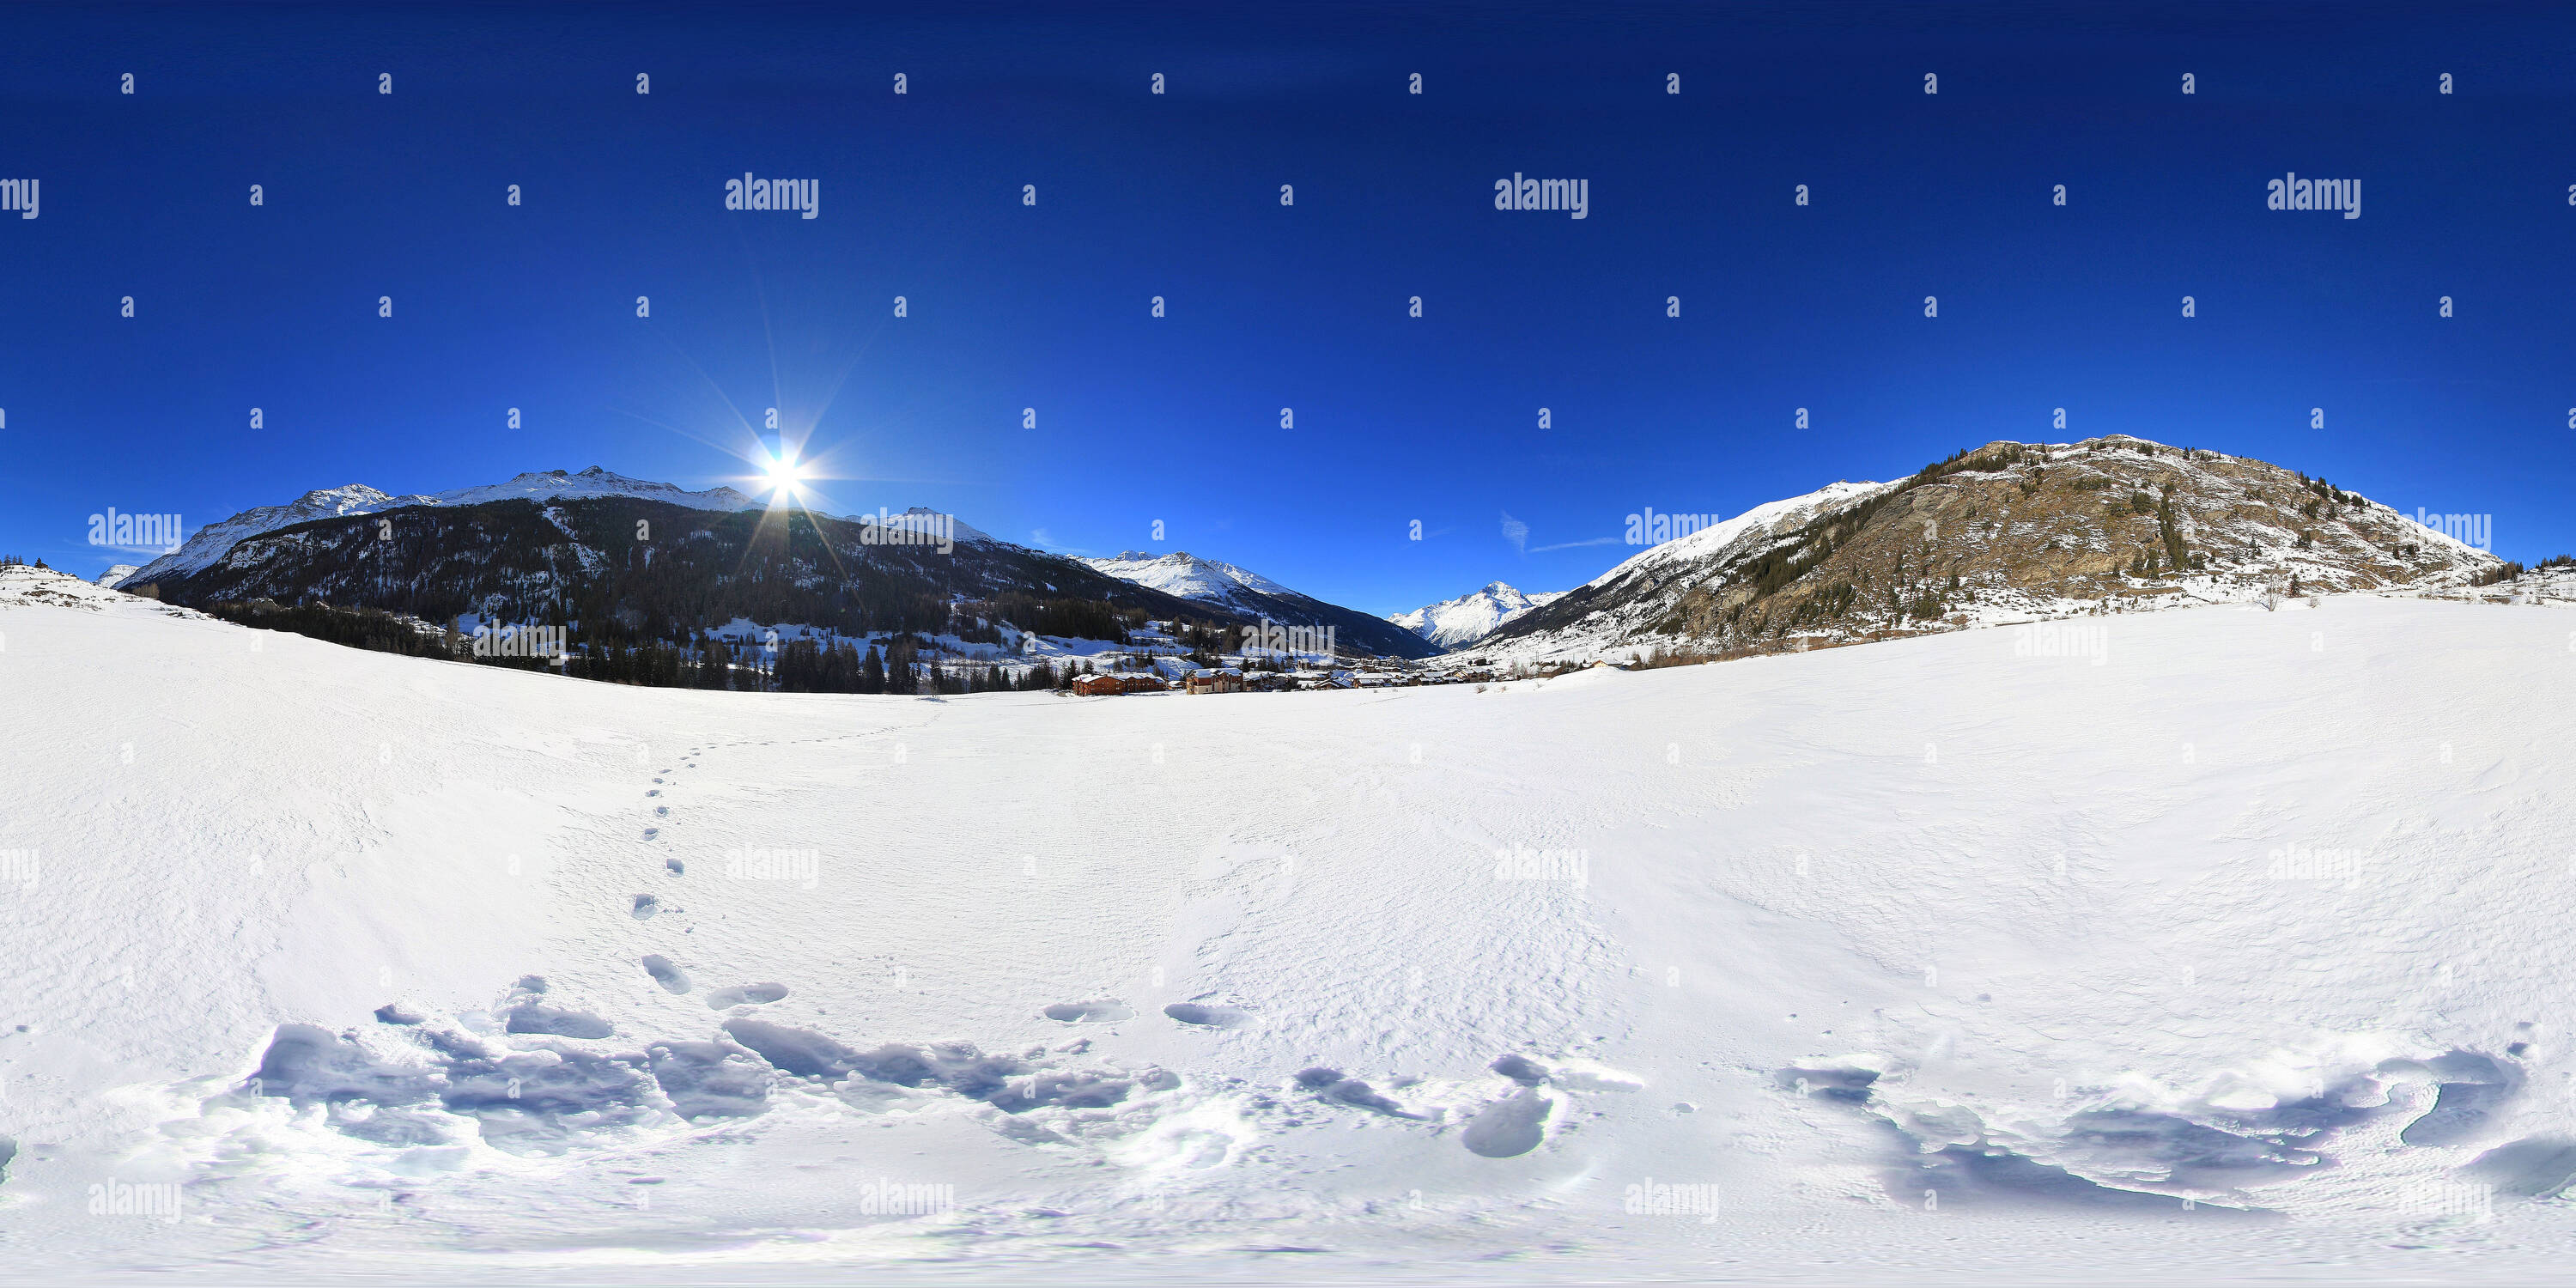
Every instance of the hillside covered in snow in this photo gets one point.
(2191, 943)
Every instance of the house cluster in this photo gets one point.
(1114, 682)
(1365, 674)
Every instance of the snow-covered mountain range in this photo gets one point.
(1248, 593)
(574, 552)
(210, 542)
(1472, 616)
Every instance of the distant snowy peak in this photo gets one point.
(1471, 617)
(1186, 575)
(108, 580)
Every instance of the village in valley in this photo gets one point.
(1155, 661)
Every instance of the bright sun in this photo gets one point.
(783, 472)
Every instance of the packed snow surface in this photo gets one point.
(1963, 958)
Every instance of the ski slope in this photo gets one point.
(2264, 910)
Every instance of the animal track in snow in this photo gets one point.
(1508, 1127)
(1331, 1085)
(538, 1017)
(1103, 1011)
(745, 995)
(670, 977)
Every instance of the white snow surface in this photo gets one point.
(2057, 942)
(1472, 616)
(1187, 576)
(112, 576)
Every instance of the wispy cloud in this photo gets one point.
(1046, 542)
(1516, 532)
(1569, 545)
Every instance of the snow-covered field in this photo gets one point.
(1950, 959)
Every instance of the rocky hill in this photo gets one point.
(2009, 531)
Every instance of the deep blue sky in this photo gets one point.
(1177, 195)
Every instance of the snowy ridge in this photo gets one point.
(120, 572)
(1473, 616)
(1725, 539)
(209, 543)
(556, 485)
(1188, 576)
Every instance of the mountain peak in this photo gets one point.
(1188, 576)
(1455, 623)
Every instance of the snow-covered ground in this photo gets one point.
(1948, 959)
